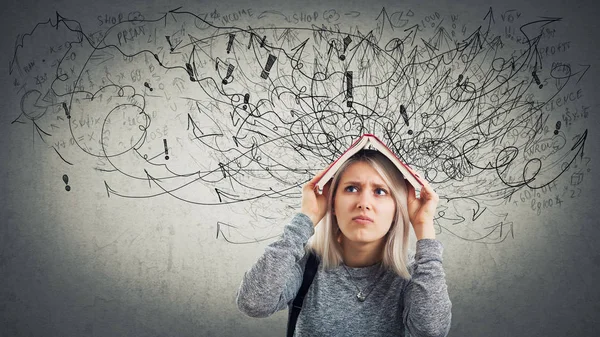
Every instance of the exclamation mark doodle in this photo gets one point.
(229, 72)
(250, 41)
(349, 96)
(537, 80)
(170, 44)
(557, 127)
(246, 100)
(64, 105)
(148, 86)
(166, 149)
(262, 42)
(347, 41)
(460, 78)
(270, 61)
(405, 117)
(66, 180)
(190, 71)
(230, 43)
(157, 60)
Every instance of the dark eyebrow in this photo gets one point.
(351, 182)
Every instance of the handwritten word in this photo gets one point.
(553, 144)
(112, 20)
(551, 50)
(304, 17)
(129, 35)
(539, 205)
(235, 16)
(569, 117)
(561, 100)
(29, 66)
(429, 20)
(508, 15)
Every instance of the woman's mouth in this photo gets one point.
(362, 219)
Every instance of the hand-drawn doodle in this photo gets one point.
(252, 113)
(66, 180)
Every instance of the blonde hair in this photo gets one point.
(395, 256)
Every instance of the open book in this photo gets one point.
(363, 142)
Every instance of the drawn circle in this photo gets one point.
(565, 69)
(321, 76)
(531, 169)
(443, 101)
(506, 156)
(498, 64)
(129, 124)
(431, 174)
(32, 106)
(394, 44)
(501, 79)
(449, 167)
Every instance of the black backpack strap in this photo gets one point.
(309, 274)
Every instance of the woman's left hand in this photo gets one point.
(422, 210)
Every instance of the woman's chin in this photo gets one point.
(361, 237)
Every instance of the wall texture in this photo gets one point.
(151, 151)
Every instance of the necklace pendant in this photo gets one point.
(361, 297)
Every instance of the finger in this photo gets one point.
(412, 193)
(312, 184)
(313, 181)
(319, 175)
(426, 186)
(427, 193)
(425, 183)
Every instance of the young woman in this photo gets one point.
(367, 283)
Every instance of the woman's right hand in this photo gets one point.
(314, 205)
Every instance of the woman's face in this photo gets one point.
(362, 193)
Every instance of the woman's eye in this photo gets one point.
(351, 188)
(380, 191)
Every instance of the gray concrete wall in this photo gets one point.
(141, 245)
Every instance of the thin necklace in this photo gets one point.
(362, 296)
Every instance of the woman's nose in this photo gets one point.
(364, 201)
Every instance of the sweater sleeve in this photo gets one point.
(427, 306)
(275, 278)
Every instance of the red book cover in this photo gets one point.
(361, 143)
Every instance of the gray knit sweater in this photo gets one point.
(394, 307)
